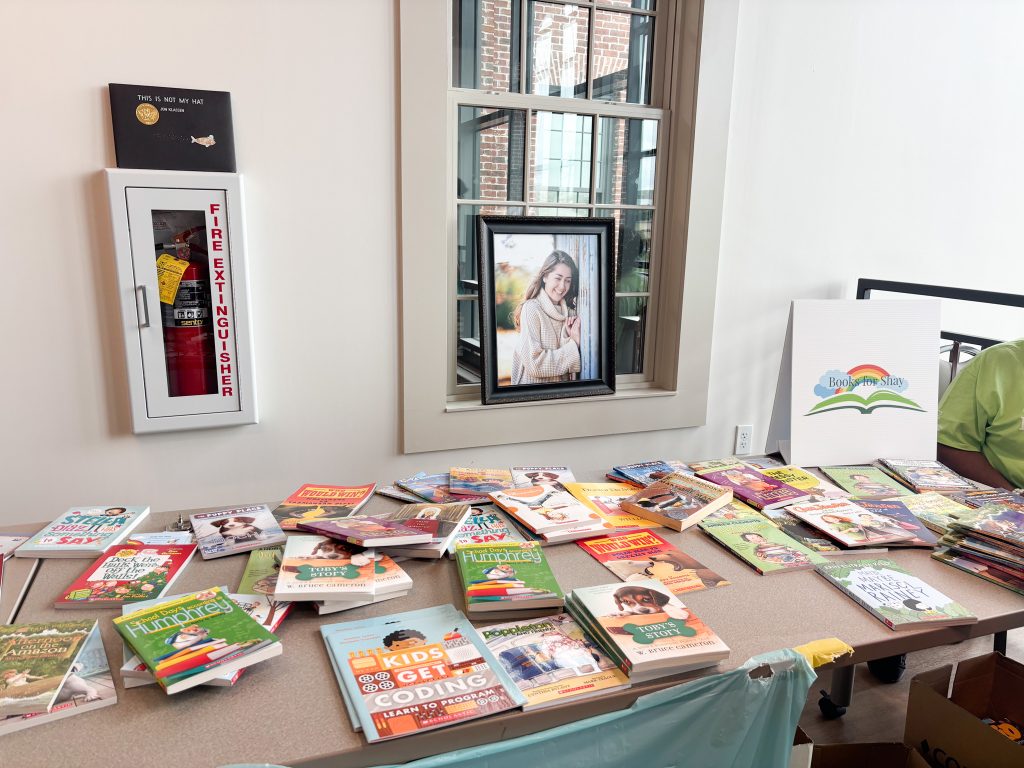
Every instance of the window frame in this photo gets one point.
(690, 177)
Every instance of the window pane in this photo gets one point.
(486, 45)
(468, 242)
(558, 50)
(640, 5)
(567, 212)
(561, 157)
(623, 48)
(491, 153)
(626, 150)
(630, 328)
(467, 342)
(632, 248)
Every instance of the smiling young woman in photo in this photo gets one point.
(549, 328)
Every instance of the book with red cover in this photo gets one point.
(754, 488)
(321, 502)
(127, 573)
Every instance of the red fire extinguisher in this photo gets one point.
(189, 346)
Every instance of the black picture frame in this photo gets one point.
(509, 373)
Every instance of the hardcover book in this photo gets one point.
(642, 555)
(754, 488)
(321, 502)
(441, 521)
(762, 546)
(485, 528)
(647, 472)
(416, 671)
(552, 661)
(506, 577)
(36, 661)
(193, 639)
(175, 129)
(851, 524)
(556, 476)
(927, 475)
(434, 489)
(894, 596)
(802, 480)
(899, 512)
(604, 499)
(239, 529)
(319, 568)
(127, 573)
(677, 501)
(866, 482)
(467, 481)
(368, 531)
(543, 508)
(83, 532)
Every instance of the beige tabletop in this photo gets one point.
(288, 710)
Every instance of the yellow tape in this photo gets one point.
(819, 652)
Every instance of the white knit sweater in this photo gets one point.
(545, 352)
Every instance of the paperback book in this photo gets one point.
(368, 531)
(239, 529)
(643, 555)
(983, 496)
(604, 499)
(485, 528)
(899, 512)
(894, 596)
(596, 527)
(394, 492)
(193, 639)
(802, 480)
(925, 475)
(866, 482)
(677, 501)
(716, 465)
(983, 569)
(435, 489)
(413, 672)
(506, 577)
(321, 502)
(441, 521)
(851, 524)
(754, 488)
(36, 661)
(556, 476)
(467, 481)
(83, 532)
(762, 546)
(127, 573)
(319, 568)
(544, 508)
(10, 543)
(260, 574)
(734, 510)
(647, 472)
(552, 660)
(934, 510)
(998, 522)
(800, 531)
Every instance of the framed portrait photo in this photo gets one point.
(546, 308)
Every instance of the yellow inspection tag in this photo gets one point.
(169, 270)
(819, 652)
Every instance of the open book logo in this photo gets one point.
(864, 388)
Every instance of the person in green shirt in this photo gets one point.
(981, 418)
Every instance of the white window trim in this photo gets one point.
(694, 182)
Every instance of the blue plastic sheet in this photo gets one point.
(731, 720)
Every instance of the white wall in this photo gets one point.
(868, 139)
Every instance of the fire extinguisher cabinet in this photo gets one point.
(183, 282)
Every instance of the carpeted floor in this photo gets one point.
(878, 711)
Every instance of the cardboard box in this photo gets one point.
(803, 747)
(860, 755)
(944, 721)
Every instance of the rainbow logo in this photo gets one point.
(838, 390)
(864, 374)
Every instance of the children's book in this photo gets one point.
(163, 537)
(127, 573)
(416, 671)
(851, 524)
(552, 660)
(239, 529)
(10, 543)
(485, 528)
(87, 687)
(734, 510)
(467, 481)
(556, 476)
(802, 480)
(506, 577)
(325, 607)
(368, 531)
(677, 501)
(647, 472)
(897, 511)
(36, 661)
(646, 629)
(715, 465)
(198, 637)
(642, 555)
(983, 569)
(764, 462)
(866, 482)
(1002, 523)
(755, 488)
(982, 496)
(762, 546)
(260, 574)
(434, 489)
(441, 521)
(544, 508)
(319, 568)
(394, 492)
(321, 502)
(893, 595)
(927, 475)
(604, 499)
(810, 537)
(83, 532)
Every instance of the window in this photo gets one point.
(555, 116)
(553, 105)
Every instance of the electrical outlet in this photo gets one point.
(744, 436)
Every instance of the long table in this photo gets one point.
(289, 711)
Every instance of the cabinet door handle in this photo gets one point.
(144, 318)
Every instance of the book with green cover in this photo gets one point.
(507, 577)
(197, 637)
(260, 574)
(762, 546)
(35, 662)
(893, 595)
(866, 482)
(934, 510)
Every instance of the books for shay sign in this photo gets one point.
(859, 380)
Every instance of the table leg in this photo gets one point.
(833, 704)
(999, 642)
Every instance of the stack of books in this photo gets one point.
(550, 514)
(677, 500)
(752, 486)
(441, 522)
(989, 543)
(501, 578)
(435, 489)
(645, 629)
(467, 481)
(924, 475)
(483, 527)
(935, 510)
(603, 499)
(416, 671)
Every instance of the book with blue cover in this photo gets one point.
(416, 671)
(83, 532)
